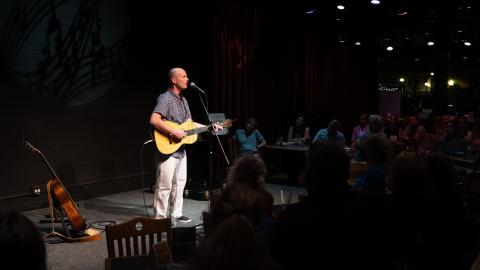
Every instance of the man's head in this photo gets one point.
(178, 78)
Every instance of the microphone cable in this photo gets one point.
(142, 174)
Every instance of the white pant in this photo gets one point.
(171, 180)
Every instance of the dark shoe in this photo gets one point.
(183, 219)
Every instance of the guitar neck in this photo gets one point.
(197, 130)
(56, 177)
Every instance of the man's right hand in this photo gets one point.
(179, 134)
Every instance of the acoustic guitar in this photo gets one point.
(60, 196)
(168, 144)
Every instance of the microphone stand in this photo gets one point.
(210, 158)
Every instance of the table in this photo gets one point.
(274, 155)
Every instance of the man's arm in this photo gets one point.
(216, 127)
(158, 123)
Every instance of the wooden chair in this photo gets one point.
(146, 241)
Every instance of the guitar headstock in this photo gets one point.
(227, 123)
(30, 147)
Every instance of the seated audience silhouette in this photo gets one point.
(299, 132)
(22, 244)
(249, 140)
(331, 133)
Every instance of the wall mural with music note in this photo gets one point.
(64, 52)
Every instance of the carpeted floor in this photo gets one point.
(118, 208)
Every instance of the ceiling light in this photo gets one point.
(402, 13)
(451, 82)
(389, 48)
(310, 12)
(431, 73)
(467, 43)
(340, 7)
(401, 79)
(430, 43)
(358, 43)
(375, 2)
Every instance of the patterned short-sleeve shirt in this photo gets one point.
(173, 108)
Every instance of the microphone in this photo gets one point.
(193, 85)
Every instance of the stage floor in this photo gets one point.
(117, 208)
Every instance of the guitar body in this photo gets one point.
(66, 204)
(167, 145)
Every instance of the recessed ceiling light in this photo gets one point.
(375, 2)
(340, 7)
(402, 13)
(430, 43)
(310, 12)
(389, 48)
(431, 73)
(467, 43)
(358, 43)
(459, 31)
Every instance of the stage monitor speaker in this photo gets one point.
(218, 117)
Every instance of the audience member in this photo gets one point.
(392, 128)
(332, 219)
(464, 130)
(237, 243)
(249, 140)
(453, 143)
(331, 133)
(413, 132)
(375, 124)
(377, 152)
(359, 130)
(299, 132)
(245, 190)
(21, 242)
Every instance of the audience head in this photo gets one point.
(375, 123)
(333, 126)
(406, 176)
(249, 170)
(412, 121)
(300, 122)
(251, 124)
(450, 128)
(376, 150)
(22, 244)
(328, 169)
(462, 126)
(236, 243)
(363, 119)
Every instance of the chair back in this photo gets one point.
(137, 236)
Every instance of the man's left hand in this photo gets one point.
(217, 127)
